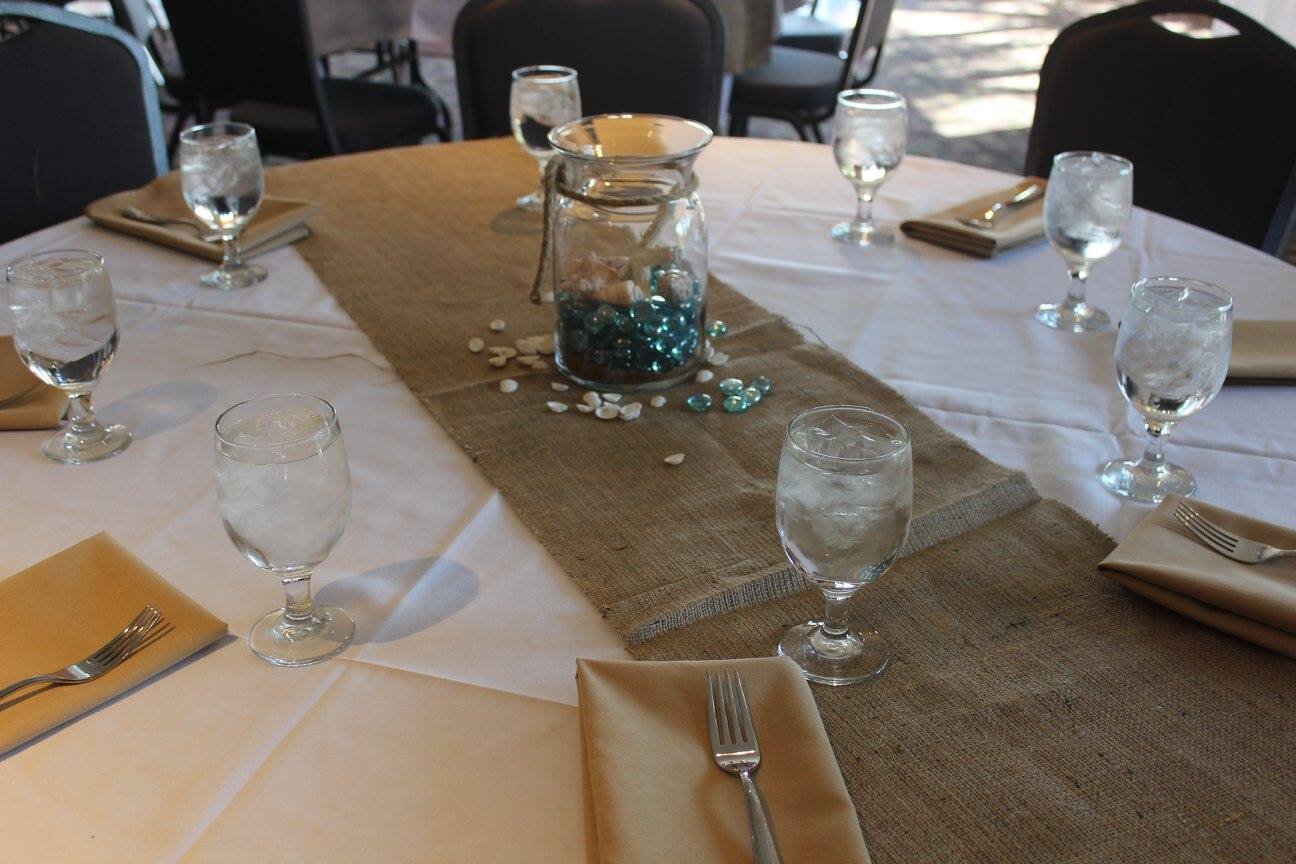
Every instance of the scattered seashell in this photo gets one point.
(498, 325)
(703, 376)
(547, 296)
(503, 351)
(559, 386)
(498, 362)
(527, 360)
(539, 365)
(508, 385)
(674, 459)
(592, 399)
(606, 412)
(709, 351)
(631, 410)
(584, 408)
(719, 358)
(611, 397)
(526, 346)
(657, 401)
(476, 345)
(544, 344)
(557, 407)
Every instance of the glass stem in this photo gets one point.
(864, 208)
(1079, 274)
(81, 417)
(298, 605)
(1154, 451)
(233, 257)
(835, 603)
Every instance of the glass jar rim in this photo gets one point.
(901, 444)
(562, 74)
(856, 98)
(238, 132)
(1125, 165)
(702, 137)
(329, 414)
(11, 273)
(1224, 300)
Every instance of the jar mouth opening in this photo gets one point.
(630, 138)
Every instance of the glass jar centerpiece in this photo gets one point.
(625, 250)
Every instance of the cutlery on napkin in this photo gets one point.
(61, 608)
(1161, 560)
(1264, 352)
(26, 402)
(278, 222)
(1012, 227)
(653, 792)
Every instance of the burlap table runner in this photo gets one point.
(423, 248)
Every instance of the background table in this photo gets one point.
(447, 732)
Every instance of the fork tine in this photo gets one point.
(114, 643)
(711, 712)
(731, 703)
(744, 712)
(726, 730)
(134, 638)
(1197, 531)
(1207, 525)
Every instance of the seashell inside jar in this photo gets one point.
(627, 251)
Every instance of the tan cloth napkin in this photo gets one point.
(1013, 226)
(1166, 564)
(1263, 352)
(65, 608)
(279, 222)
(26, 403)
(654, 793)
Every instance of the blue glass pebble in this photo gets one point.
(731, 386)
(699, 402)
(717, 328)
(734, 404)
(751, 395)
(763, 384)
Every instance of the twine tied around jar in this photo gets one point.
(555, 184)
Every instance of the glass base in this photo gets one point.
(1132, 479)
(531, 201)
(861, 235)
(277, 640)
(234, 278)
(1081, 318)
(857, 656)
(69, 449)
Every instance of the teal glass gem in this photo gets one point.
(699, 402)
(731, 386)
(717, 328)
(734, 404)
(763, 384)
(750, 395)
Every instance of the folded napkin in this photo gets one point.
(278, 222)
(1014, 226)
(1167, 565)
(26, 403)
(654, 793)
(1263, 352)
(68, 606)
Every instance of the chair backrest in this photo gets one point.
(650, 56)
(867, 39)
(1204, 121)
(80, 113)
(250, 50)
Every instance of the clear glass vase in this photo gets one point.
(626, 251)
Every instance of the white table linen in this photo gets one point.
(448, 732)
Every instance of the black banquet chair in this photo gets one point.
(643, 56)
(1206, 122)
(257, 58)
(80, 111)
(800, 85)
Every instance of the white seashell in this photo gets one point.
(547, 297)
(476, 345)
(498, 325)
(583, 408)
(544, 344)
(527, 360)
(621, 293)
(503, 351)
(559, 386)
(719, 358)
(508, 385)
(674, 459)
(709, 351)
(538, 365)
(611, 397)
(631, 411)
(526, 346)
(498, 362)
(703, 376)
(557, 407)
(657, 401)
(592, 399)
(606, 412)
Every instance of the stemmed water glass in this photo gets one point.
(1086, 208)
(842, 507)
(1172, 355)
(65, 330)
(284, 492)
(871, 130)
(223, 183)
(542, 97)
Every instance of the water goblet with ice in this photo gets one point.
(284, 492)
(542, 98)
(871, 131)
(223, 183)
(842, 507)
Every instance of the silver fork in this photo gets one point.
(987, 219)
(733, 741)
(107, 658)
(1224, 542)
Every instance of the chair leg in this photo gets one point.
(738, 125)
(818, 133)
(801, 130)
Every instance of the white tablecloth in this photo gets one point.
(448, 733)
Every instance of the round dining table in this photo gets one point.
(448, 731)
